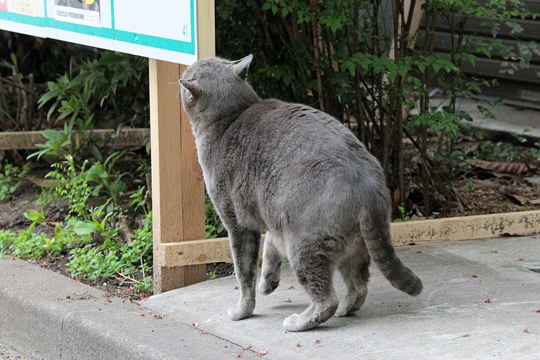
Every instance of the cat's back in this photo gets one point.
(296, 131)
(273, 112)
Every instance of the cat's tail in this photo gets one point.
(376, 233)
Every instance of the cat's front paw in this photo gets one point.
(241, 311)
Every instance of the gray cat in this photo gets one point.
(302, 176)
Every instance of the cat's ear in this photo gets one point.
(193, 87)
(241, 66)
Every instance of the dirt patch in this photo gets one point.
(501, 194)
(12, 211)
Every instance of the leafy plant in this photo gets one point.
(106, 179)
(57, 144)
(75, 139)
(403, 216)
(35, 217)
(71, 183)
(94, 262)
(11, 179)
(214, 227)
(145, 285)
(69, 95)
(96, 224)
(30, 246)
(112, 257)
(113, 86)
(35, 246)
(7, 238)
(139, 200)
(536, 150)
(139, 251)
(79, 184)
(357, 61)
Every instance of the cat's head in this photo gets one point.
(214, 85)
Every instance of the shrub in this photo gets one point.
(356, 61)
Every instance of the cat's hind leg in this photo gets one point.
(314, 272)
(271, 266)
(245, 250)
(355, 271)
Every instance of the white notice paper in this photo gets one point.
(164, 18)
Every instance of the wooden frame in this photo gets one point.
(27, 140)
(177, 183)
(403, 233)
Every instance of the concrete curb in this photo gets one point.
(45, 315)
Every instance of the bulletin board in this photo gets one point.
(159, 29)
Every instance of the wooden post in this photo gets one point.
(177, 183)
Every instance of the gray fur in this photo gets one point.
(302, 176)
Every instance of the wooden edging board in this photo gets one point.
(198, 252)
(27, 140)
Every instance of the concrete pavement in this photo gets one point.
(480, 301)
(9, 354)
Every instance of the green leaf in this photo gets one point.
(34, 215)
(51, 134)
(85, 227)
(266, 6)
(13, 57)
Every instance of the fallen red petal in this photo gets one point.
(262, 352)
(298, 344)
(521, 258)
(194, 325)
(288, 300)
(537, 311)
(238, 356)
(142, 314)
(158, 316)
(204, 332)
(466, 335)
(248, 346)
(317, 341)
(526, 331)
(418, 251)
